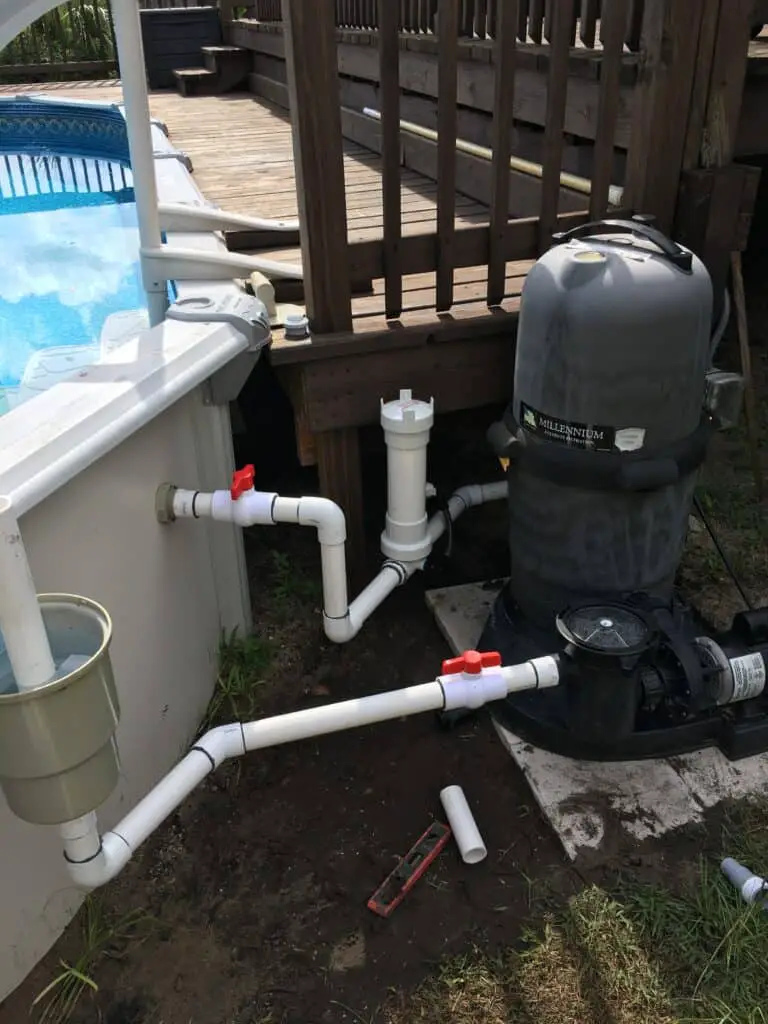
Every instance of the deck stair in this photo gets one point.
(225, 68)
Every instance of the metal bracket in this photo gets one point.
(175, 154)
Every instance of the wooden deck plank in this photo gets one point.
(242, 154)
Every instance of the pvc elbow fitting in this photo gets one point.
(327, 518)
(340, 631)
(106, 865)
(223, 742)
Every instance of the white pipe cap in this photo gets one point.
(407, 415)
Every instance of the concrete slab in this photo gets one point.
(599, 809)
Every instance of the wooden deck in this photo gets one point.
(242, 156)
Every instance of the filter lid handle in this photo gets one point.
(640, 228)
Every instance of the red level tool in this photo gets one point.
(409, 870)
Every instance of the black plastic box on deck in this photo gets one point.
(173, 39)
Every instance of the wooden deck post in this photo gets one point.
(687, 107)
(313, 89)
(662, 102)
(717, 195)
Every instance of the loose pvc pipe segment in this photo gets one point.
(750, 886)
(93, 860)
(21, 621)
(463, 825)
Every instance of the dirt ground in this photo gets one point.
(252, 897)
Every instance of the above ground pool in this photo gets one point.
(70, 284)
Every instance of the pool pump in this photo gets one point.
(614, 403)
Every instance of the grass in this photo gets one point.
(79, 30)
(243, 660)
(290, 586)
(101, 936)
(632, 953)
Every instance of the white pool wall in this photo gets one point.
(82, 462)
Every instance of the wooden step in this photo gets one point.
(196, 81)
(230, 64)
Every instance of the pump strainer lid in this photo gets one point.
(605, 629)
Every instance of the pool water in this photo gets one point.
(70, 283)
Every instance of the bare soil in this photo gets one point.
(257, 887)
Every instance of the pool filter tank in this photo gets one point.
(614, 403)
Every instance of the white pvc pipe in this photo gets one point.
(390, 577)
(130, 55)
(463, 825)
(94, 860)
(21, 621)
(342, 621)
(406, 484)
(349, 714)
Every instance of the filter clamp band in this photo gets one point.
(646, 470)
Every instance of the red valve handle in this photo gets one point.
(242, 481)
(472, 662)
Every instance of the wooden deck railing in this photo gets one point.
(481, 19)
(676, 104)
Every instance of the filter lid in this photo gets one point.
(406, 414)
(611, 629)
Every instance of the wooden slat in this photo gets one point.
(589, 12)
(536, 20)
(504, 98)
(557, 92)
(466, 18)
(700, 93)
(316, 119)
(389, 62)
(635, 25)
(417, 251)
(612, 31)
(726, 92)
(661, 106)
(522, 19)
(448, 56)
(339, 467)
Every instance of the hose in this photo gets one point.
(721, 552)
(725, 316)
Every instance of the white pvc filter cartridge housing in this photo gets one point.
(463, 825)
(406, 422)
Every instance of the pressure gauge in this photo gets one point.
(609, 629)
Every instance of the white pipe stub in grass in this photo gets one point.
(463, 825)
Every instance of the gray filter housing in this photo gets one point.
(613, 346)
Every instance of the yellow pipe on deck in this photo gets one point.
(574, 182)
